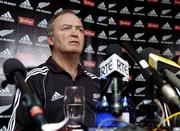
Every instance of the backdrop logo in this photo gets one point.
(25, 21)
(89, 63)
(125, 23)
(177, 27)
(111, 21)
(137, 37)
(152, 13)
(89, 3)
(100, 50)
(166, 38)
(42, 41)
(42, 24)
(6, 17)
(43, 5)
(89, 49)
(76, 1)
(90, 33)
(25, 40)
(5, 53)
(125, 37)
(153, 25)
(102, 35)
(101, 19)
(139, 24)
(26, 5)
(124, 10)
(102, 6)
(4, 33)
(153, 39)
(139, 11)
(166, 26)
(89, 19)
(166, 13)
(112, 7)
(7, 3)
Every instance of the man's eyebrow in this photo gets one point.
(79, 26)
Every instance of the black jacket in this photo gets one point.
(49, 81)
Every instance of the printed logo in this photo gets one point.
(111, 21)
(138, 11)
(43, 5)
(25, 40)
(111, 35)
(43, 23)
(7, 17)
(25, 21)
(56, 96)
(4, 33)
(96, 97)
(167, 52)
(177, 16)
(89, 3)
(166, 13)
(76, 1)
(42, 41)
(177, 42)
(102, 35)
(102, 6)
(89, 19)
(89, 49)
(89, 63)
(165, 39)
(110, 6)
(5, 53)
(26, 5)
(125, 23)
(139, 24)
(101, 49)
(90, 33)
(153, 25)
(125, 37)
(101, 19)
(166, 26)
(140, 78)
(5, 92)
(124, 10)
(7, 3)
(153, 39)
(137, 37)
(57, 11)
(141, 118)
(153, 13)
(166, 1)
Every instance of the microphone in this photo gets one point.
(112, 68)
(176, 59)
(161, 64)
(15, 73)
(153, 76)
(158, 62)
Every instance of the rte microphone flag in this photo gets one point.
(114, 64)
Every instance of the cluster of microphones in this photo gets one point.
(163, 73)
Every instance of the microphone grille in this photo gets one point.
(113, 49)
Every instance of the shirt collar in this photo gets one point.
(56, 68)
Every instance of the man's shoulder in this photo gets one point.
(40, 70)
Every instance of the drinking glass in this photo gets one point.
(74, 106)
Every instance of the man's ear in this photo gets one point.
(50, 40)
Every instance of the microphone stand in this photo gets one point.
(29, 100)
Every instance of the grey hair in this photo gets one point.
(50, 25)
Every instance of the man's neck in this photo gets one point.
(68, 63)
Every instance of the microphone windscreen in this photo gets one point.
(12, 65)
(146, 51)
(113, 49)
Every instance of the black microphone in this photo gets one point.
(153, 76)
(15, 73)
(163, 65)
(113, 68)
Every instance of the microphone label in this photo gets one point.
(114, 64)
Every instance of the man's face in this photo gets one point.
(68, 34)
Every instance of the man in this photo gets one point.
(66, 40)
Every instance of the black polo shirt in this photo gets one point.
(49, 82)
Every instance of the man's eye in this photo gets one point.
(81, 30)
(66, 28)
